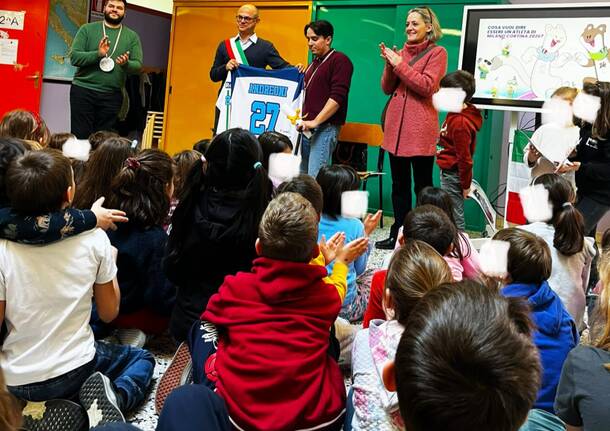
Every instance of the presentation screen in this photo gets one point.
(520, 54)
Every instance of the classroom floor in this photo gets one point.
(163, 348)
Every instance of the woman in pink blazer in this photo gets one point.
(411, 76)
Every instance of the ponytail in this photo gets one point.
(568, 222)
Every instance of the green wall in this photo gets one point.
(359, 28)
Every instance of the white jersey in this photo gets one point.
(261, 100)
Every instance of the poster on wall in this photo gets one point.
(520, 55)
(65, 18)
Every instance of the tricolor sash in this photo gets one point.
(235, 51)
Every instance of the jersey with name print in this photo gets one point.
(261, 100)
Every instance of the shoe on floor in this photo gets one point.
(54, 415)
(100, 400)
(386, 244)
(178, 373)
(131, 337)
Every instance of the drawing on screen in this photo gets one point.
(594, 41)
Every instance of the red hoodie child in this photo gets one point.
(273, 369)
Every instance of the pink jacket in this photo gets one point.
(411, 123)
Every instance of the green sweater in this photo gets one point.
(84, 55)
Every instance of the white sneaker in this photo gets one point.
(131, 337)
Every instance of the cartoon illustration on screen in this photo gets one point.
(535, 69)
(593, 39)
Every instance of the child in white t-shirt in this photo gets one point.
(45, 300)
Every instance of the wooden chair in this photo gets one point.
(371, 135)
(153, 132)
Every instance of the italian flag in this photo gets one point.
(518, 178)
(235, 51)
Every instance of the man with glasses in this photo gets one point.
(245, 48)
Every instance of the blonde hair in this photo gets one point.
(26, 125)
(10, 412)
(429, 17)
(603, 268)
(415, 269)
(566, 93)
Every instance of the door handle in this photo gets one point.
(35, 77)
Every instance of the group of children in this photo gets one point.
(252, 275)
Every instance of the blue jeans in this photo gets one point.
(316, 151)
(450, 182)
(129, 368)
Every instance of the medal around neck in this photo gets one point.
(107, 64)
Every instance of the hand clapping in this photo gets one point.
(391, 56)
(122, 59)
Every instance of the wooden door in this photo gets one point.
(23, 33)
(196, 32)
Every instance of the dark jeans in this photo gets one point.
(129, 368)
(92, 111)
(194, 408)
(401, 184)
(592, 211)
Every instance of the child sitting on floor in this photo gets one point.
(426, 223)
(274, 322)
(529, 268)
(143, 189)
(334, 180)
(51, 287)
(415, 269)
(466, 361)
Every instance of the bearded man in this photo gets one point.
(104, 53)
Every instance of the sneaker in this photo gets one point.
(179, 372)
(100, 400)
(131, 337)
(54, 415)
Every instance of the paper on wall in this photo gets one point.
(12, 19)
(8, 51)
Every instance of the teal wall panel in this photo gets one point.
(359, 28)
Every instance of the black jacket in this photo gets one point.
(208, 254)
(260, 54)
(593, 176)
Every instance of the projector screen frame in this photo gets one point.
(467, 60)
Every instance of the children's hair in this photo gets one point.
(104, 165)
(529, 257)
(460, 79)
(603, 309)
(141, 188)
(606, 240)
(183, 162)
(10, 149)
(429, 17)
(24, 125)
(415, 268)
(320, 27)
(568, 222)
(58, 140)
(466, 361)
(307, 187)
(431, 225)
(601, 89)
(10, 411)
(234, 168)
(273, 142)
(79, 167)
(202, 146)
(566, 93)
(97, 138)
(36, 183)
(441, 199)
(334, 180)
(289, 228)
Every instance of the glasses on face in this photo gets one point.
(244, 18)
